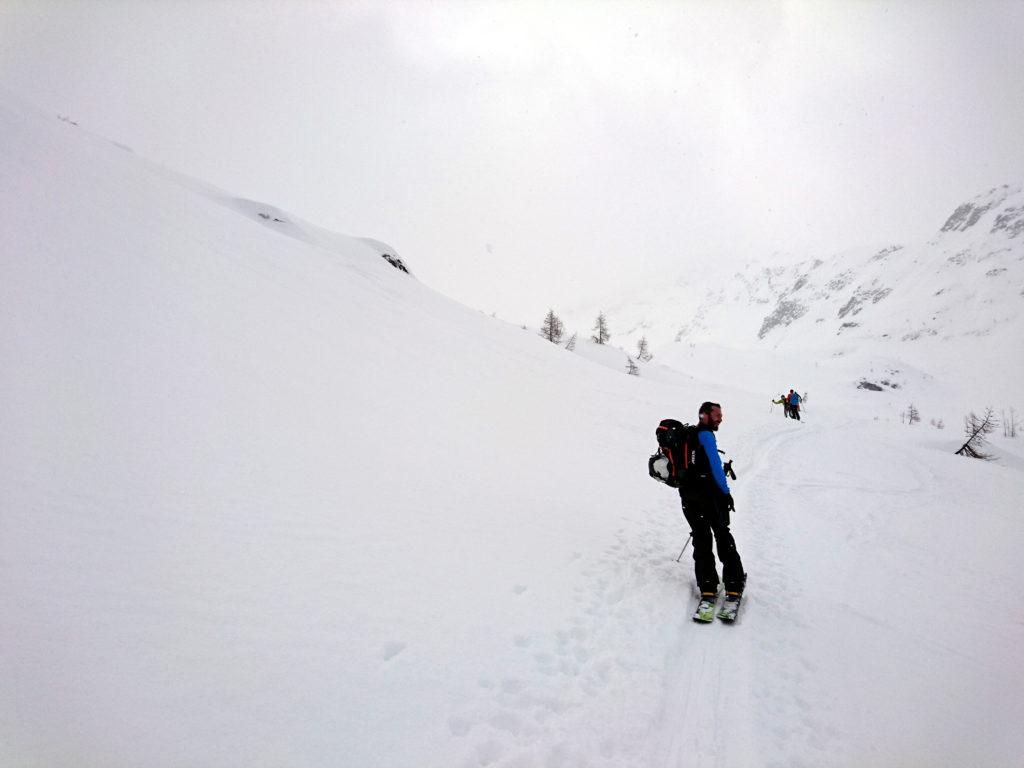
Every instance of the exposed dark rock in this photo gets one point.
(886, 252)
(965, 217)
(785, 313)
(1011, 220)
(395, 262)
(915, 335)
(841, 281)
(860, 296)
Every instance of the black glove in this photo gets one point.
(729, 506)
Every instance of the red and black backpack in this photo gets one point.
(677, 453)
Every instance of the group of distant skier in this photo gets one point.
(790, 404)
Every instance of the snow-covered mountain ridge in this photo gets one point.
(951, 307)
(961, 284)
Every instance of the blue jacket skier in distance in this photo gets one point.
(794, 404)
(706, 507)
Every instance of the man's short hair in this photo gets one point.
(706, 407)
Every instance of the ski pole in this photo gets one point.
(684, 547)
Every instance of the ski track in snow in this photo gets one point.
(710, 675)
(536, 718)
(667, 700)
(631, 680)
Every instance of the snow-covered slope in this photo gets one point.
(266, 500)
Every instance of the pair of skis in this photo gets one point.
(708, 604)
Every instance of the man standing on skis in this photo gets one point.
(707, 502)
(794, 404)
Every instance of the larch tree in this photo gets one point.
(977, 428)
(601, 334)
(552, 328)
(643, 351)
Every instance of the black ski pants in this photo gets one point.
(709, 523)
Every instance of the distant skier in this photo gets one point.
(794, 404)
(706, 506)
(784, 403)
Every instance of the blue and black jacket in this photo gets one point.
(715, 470)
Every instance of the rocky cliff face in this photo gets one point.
(967, 282)
(1008, 218)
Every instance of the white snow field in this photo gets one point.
(266, 500)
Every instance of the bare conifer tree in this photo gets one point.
(643, 352)
(631, 367)
(913, 416)
(571, 344)
(976, 429)
(552, 328)
(601, 327)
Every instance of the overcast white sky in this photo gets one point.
(522, 155)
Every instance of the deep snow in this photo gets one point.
(267, 500)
